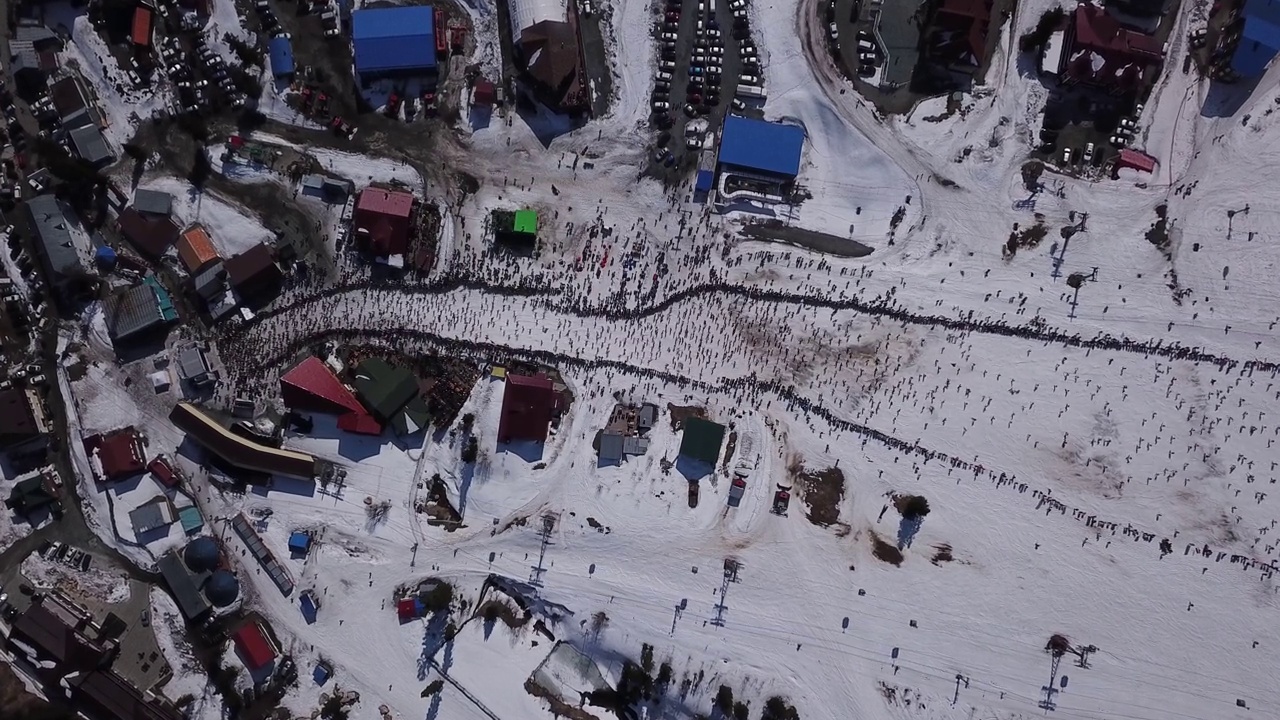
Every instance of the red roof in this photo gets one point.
(1097, 30)
(160, 468)
(407, 609)
(528, 403)
(142, 27)
(360, 423)
(483, 93)
(965, 24)
(311, 385)
(253, 647)
(121, 454)
(1136, 160)
(382, 220)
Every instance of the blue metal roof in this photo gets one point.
(1260, 39)
(299, 541)
(399, 38)
(705, 178)
(281, 56)
(761, 146)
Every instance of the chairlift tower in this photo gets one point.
(731, 567)
(548, 527)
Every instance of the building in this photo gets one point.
(241, 452)
(958, 34)
(138, 310)
(222, 588)
(143, 28)
(22, 418)
(280, 50)
(1135, 160)
(253, 646)
(183, 587)
(762, 150)
(193, 366)
(190, 519)
(702, 440)
(152, 235)
(529, 402)
(52, 646)
(647, 417)
(68, 99)
(483, 94)
(254, 273)
(897, 28)
(299, 543)
(32, 493)
(1259, 37)
(105, 695)
(392, 396)
(611, 447)
(91, 146)
(548, 53)
(1102, 53)
(382, 221)
(151, 516)
(116, 455)
(196, 249)
(311, 385)
(393, 42)
(163, 471)
(152, 202)
(66, 252)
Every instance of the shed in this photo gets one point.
(706, 178)
(1136, 160)
(526, 221)
(394, 41)
(196, 249)
(190, 519)
(702, 440)
(483, 93)
(299, 543)
(647, 417)
(635, 445)
(152, 202)
(307, 604)
(193, 366)
(142, 26)
(322, 673)
(408, 609)
(163, 472)
(281, 53)
(105, 256)
(253, 647)
(150, 516)
(765, 148)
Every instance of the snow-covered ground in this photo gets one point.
(108, 586)
(189, 678)
(230, 227)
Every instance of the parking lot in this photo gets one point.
(704, 51)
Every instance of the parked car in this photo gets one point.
(661, 106)
(737, 489)
(668, 36)
(1068, 156)
(1088, 153)
(833, 31)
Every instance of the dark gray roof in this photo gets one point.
(90, 145)
(192, 364)
(635, 445)
(648, 416)
(898, 28)
(78, 119)
(34, 34)
(133, 311)
(610, 446)
(64, 244)
(146, 518)
(24, 56)
(183, 586)
(152, 201)
(211, 280)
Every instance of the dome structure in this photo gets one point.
(201, 554)
(222, 589)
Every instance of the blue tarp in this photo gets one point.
(705, 178)
(765, 147)
(1260, 40)
(106, 256)
(321, 674)
(394, 39)
(308, 606)
(281, 56)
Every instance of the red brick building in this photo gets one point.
(383, 219)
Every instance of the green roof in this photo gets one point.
(702, 439)
(384, 388)
(526, 222)
(167, 310)
(413, 417)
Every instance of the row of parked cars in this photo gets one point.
(72, 557)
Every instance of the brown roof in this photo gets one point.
(54, 640)
(121, 454)
(111, 697)
(238, 451)
(17, 419)
(196, 249)
(551, 50)
(151, 234)
(253, 266)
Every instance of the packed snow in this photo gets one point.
(230, 228)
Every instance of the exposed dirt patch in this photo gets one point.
(941, 554)
(911, 505)
(885, 551)
(680, 413)
(822, 491)
(493, 610)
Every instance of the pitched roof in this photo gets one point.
(110, 697)
(385, 202)
(238, 451)
(120, 454)
(196, 249)
(182, 586)
(253, 266)
(311, 385)
(133, 311)
(702, 440)
(1097, 30)
(18, 421)
(550, 50)
(528, 402)
(253, 646)
(90, 145)
(54, 640)
(391, 39)
(29, 494)
(151, 516)
(65, 247)
(152, 201)
(762, 146)
(611, 446)
(151, 234)
(384, 388)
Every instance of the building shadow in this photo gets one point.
(530, 452)
(1226, 99)
(693, 470)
